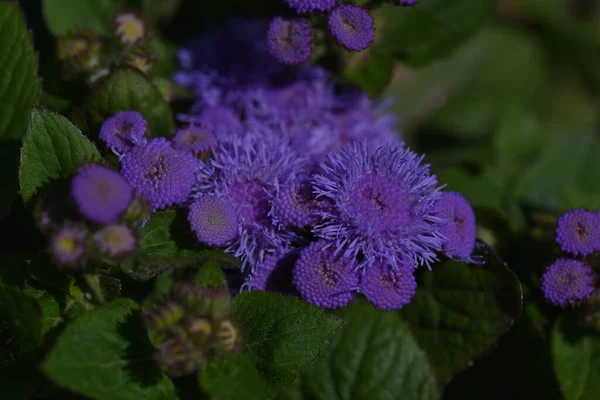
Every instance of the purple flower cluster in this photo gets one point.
(569, 281)
(309, 183)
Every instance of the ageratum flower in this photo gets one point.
(68, 244)
(382, 205)
(578, 232)
(294, 205)
(352, 27)
(290, 41)
(100, 193)
(130, 27)
(275, 274)
(388, 288)
(306, 6)
(324, 278)
(197, 138)
(567, 282)
(214, 220)
(124, 130)
(459, 228)
(116, 240)
(160, 173)
(245, 170)
(222, 120)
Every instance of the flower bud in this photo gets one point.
(80, 49)
(130, 27)
(176, 353)
(228, 338)
(164, 315)
(200, 330)
(141, 59)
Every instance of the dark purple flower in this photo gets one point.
(324, 278)
(382, 205)
(100, 193)
(214, 220)
(568, 281)
(222, 119)
(68, 244)
(578, 232)
(124, 130)
(352, 27)
(197, 138)
(459, 229)
(404, 2)
(306, 6)
(294, 205)
(161, 174)
(290, 41)
(275, 274)
(116, 240)
(388, 288)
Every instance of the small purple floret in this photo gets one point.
(568, 281)
(352, 27)
(222, 119)
(407, 3)
(100, 193)
(214, 220)
(460, 228)
(388, 288)
(306, 6)
(295, 205)
(290, 41)
(124, 130)
(275, 274)
(325, 279)
(195, 137)
(578, 232)
(68, 244)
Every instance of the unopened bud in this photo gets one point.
(228, 338)
(141, 59)
(80, 49)
(165, 315)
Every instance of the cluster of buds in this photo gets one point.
(192, 327)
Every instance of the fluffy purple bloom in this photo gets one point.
(290, 41)
(568, 281)
(161, 174)
(197, 138)
(214, 220)
(275, 274)
(352, 27)
(324, 278)
(124, 130)
(68, 244)
(459, 229)
(116, 240)
(100, 193)
(578, 232)
(404, 2)
(222, 119)
(294, 205)
(388, 288)
(382, 205)
(306, 6)
(245, 170)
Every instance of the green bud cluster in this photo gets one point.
(193, 326)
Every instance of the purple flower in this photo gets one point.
(404, 2)
(161, 174)
(578, 232)
(295, 205)
(116, 240)
(388, 288)
(290, 41)
(275, 274)
(124, 130)
(214, 219)
(223, 120)
(246, 169)
(352, 27)
(382, 205)
(68, 244)
(306, 6)
(324, 278)
(459, 229)
(568, 281)
(197, 138)
(100, 193)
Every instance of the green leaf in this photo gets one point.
(433, 28)
(210, 275)
(53, 148)
(165, 54)
(19, 85)
(233, 378)
(161, 9)
(24, 314)
(106, 354)
(576, 355)
(460, 311)
(373, 72)
(63, 16)
(129, 89)
(373, 357)
(283, 334)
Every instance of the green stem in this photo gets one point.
(93, 283)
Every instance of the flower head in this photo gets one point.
(160, 173)
(404, 2)
(325, 279)
(130, 27)
(388, 288)
(295, 205)
(275, 274)
(459, 229)
(568, 281)
(214, 220)
(80, 49)
(222, 120)
(197, 138)
(140, 58)
(124, 130)
(352, 27)
(578, 232)
(290, 41)
(382, 205)
(100, 193)
(306, 6)
(116, 240)
(68, 244)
